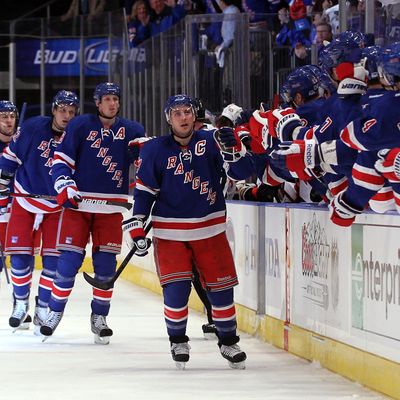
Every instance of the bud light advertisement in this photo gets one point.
(61, 57)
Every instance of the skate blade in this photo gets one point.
(20, 328)
(181, 365)
(44, 338)
(102, 339)
(24, 326)
(238, 365)
(210, 336)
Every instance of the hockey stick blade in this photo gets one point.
(106, 285)
(85, 200)
(126, 205)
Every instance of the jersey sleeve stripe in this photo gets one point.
(367, 178)
(349, 138)
(10, 156)
(338, 186)
(271, 178)
(141, 186)
(62, 157)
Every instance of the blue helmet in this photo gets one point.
(353, 38)
(107, 88)
(371, 54)
(179, 100)
(8, 106)
(304, 80)
(65, 98)
(345, 48)
(326, 82)
(389, 63)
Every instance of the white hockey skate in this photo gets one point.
(180, 354)
(19, 317)
(50, 324)
(39, 318)
(235, 356)
(102, 332)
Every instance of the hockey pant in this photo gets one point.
(176, 297)
(69, 262)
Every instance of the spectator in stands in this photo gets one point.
(91, 8)
(392, 12)
(302, 31)
(331, 14)
(164, 14)
(323, 35)
(284, 36)
(228, 29)
(356, 21)
(295, 33)
(139, 24)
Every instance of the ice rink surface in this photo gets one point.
(137, 364)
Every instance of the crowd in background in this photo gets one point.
(297, 23)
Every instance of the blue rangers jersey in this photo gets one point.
(30, 154)
(181, 187)
(340, 110)
(97, 159)
(367, 185)
(378, 129)
(372, 95)
(340, 113)
(311, 111)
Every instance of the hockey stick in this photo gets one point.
(3, 260)
(106, 285)
(22, 115)
(85, 200)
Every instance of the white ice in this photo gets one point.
(137, 363)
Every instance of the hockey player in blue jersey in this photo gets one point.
(382, 200)
(375, 138)
(302, 90)
(8, 119)
(92, 161)
(342, 60)
(8, 122)
(179, 185)
(29, 156)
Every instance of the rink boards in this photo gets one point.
(322, 292)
